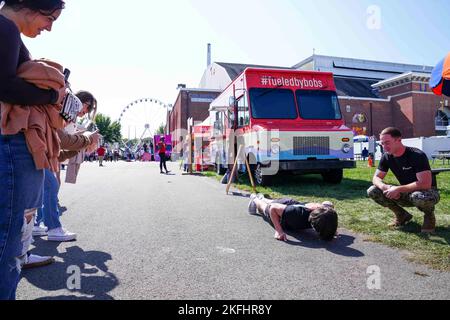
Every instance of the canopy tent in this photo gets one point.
(361, 138)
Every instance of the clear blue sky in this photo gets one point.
(123, 50)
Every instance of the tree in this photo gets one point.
(111, 131)
(161, 129)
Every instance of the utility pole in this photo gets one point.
(371, 119)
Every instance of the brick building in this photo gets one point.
(373, 94)
(190, 103)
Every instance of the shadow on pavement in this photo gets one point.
(95, 280)
(245, 195)
(311, 186)
(194, 174)
(339, 246)
(239, 194)
(310, 239)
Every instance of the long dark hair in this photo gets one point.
(45, 7)
(87, 97)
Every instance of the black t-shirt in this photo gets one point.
(13, 53)
(296, 218)
(406, 167)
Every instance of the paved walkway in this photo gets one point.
(142, 235)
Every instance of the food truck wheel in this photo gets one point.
(260, 179)
(333, 176)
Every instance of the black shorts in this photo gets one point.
(285, 201)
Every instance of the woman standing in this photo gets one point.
(162, 148)
(73, 143)
(20, 181)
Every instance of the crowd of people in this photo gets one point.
(35, 140)
(39, 132)
(109, 155)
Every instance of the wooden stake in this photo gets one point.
(233, 172)
(250, 174)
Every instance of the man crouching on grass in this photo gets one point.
(294, 216)
(417, 188)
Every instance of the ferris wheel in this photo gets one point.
(142, 118)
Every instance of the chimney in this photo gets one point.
(208, 62)
(181, 86)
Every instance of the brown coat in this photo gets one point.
(39, 123)
(71, 144)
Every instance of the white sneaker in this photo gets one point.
(328, 204)
(61, 235)
(252, 205)
(34, 261)
(39, 231)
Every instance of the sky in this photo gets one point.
(126, 50)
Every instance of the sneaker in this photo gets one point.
(328, 204)
(39, 231)
(252, 205)
(260, 196)
(61, 235)
(34, 261)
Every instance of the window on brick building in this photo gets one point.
(423, 87)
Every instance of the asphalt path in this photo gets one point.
(143, 235)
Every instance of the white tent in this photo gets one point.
(361, 138)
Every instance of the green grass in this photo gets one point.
(359, 214)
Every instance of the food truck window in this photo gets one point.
(318, 105)
(230, 117)
(272, 103)
(218, 124)
(243, 112)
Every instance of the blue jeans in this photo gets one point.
(49, 214)
(21, 189)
